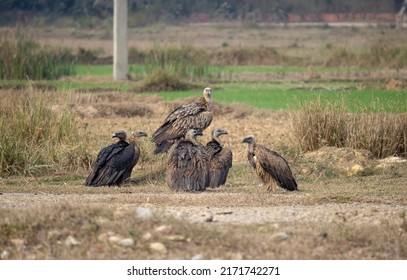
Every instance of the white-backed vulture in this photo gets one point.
(271, 167)
(115, 163)
(220, 159)
(194, 115)
(188, 164)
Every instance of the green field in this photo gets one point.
(265, 95)
(96, 70)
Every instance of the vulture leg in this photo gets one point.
(271, 185)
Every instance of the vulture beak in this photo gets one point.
(221, 132)
(141, 134)
(114, 135)
(246, 140)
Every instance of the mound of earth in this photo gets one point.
(332, 160)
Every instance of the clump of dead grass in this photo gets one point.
(316, 125)
(161, 80)
(249, 56)
(379, 54)
(35, 139)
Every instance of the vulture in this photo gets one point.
(271, 167)
(115, 163)
(194, 115)
(188, 164)
(220, 159)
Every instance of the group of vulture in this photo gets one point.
(190, 165)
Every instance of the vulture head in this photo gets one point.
(135, 135)
(121, 134)
(139, 133)
(250, 143)
(249, 140)
(207, 93)
(192, 134)
(218, 132)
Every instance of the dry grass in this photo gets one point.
(317, 125)
(35, 139)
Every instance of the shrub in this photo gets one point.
(161, 80)
(186, 61)
(316, 125)
(21, 58)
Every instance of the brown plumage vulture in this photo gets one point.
(220, 159)
(194, 115)
(271, 167)
(188, 164)
(114, 163)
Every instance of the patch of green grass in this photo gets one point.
(93, 70)
(280, 97)
(97, 70)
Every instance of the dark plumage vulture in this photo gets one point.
(269, 166)
(220, 159)
(115, 163)
(194, 115)
(188, 164)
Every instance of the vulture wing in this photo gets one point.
(187, 167)
(103, 158)
(276, 166)
(179, 121)
(220, 163)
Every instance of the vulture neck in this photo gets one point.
(217, 139)
(206, 103)
(251, 147)
(134, 141)
(192, 139)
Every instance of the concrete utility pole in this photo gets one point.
(120, 48)
(400, 15)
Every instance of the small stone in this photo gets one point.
(208, 218)
(176, 237)
(126, 242)
(17, 242)
(5, 254)
(71, 241)
(236, 256)
(158, 247)
(144, 213)
(147, 236)
(355, 169)
(198, 257)
(53, 233)
(281, 236)
(102, 221)
(162, 228)
(103, 237)
(115, 239)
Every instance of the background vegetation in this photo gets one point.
(21, 57)
(153, 11)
